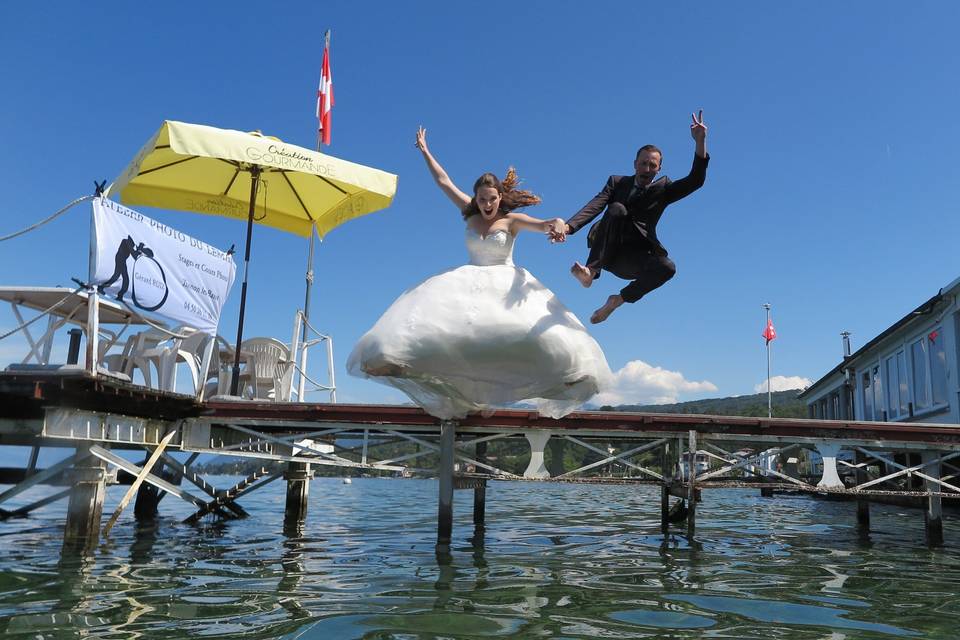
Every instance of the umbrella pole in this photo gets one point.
(254, 183)
(306, 316)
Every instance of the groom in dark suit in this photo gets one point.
(624, 241)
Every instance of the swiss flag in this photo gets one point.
(325, 95)
(769, 333)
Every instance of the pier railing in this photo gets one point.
(305, 336)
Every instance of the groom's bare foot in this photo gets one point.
(608, 307)
(583, 274)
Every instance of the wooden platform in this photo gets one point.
(98, 415)
(27, 395)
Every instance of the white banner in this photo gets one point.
(156, 268)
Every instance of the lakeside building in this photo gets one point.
(908, 373)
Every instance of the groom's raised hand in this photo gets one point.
(698, 130)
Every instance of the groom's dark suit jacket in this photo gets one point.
(645, 207)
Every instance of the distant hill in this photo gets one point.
(785, 405)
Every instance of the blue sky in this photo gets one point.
(831, 191)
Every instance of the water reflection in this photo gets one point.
(552, 561)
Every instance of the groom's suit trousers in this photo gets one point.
(617, 247)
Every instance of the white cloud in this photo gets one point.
(640, 383)
(783, 383)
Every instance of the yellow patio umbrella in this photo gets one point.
(192, 167)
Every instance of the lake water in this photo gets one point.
(556, 561)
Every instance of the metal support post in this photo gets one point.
(298, 476)
(666, 469)
(73, 349)
(480, 493)
(88, 480)
(932, 515)
(445, 473)
(691, 485)
(863, 505)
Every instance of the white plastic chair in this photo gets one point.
(188, 350)
(271, 364)
(136, 355)
(220, 371)
(166, 354)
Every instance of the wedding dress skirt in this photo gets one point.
(484, 335)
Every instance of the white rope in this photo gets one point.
(312, 328)
(160, 328)
(42, 314)
(46, 220)
(318, 386)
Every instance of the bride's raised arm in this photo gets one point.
(522, 222)
(440, 176)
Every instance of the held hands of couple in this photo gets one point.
(556, 230)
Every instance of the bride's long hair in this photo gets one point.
(510, 196)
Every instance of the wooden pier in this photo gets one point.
(685, 455)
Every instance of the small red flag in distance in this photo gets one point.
(769, 333)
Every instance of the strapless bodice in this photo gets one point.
(492, 249)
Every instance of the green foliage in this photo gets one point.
(785, 405)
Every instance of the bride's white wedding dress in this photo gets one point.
(484, 335)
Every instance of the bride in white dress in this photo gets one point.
(487, 334)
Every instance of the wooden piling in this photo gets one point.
(480, 493)
(932, 515)
(445, 474)
(85, 507)
(556, 446)
(146, 506)
(298, 477)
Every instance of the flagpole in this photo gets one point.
(766, 306)
(309, 273)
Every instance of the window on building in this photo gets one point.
(891, 403)
(835, 406)
(938, 365)
(919, 365)
(878, 395)
(903, 389)
(866, 396)
(823, 409)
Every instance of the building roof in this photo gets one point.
(924, 309)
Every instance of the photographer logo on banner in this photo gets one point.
(153, 267)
